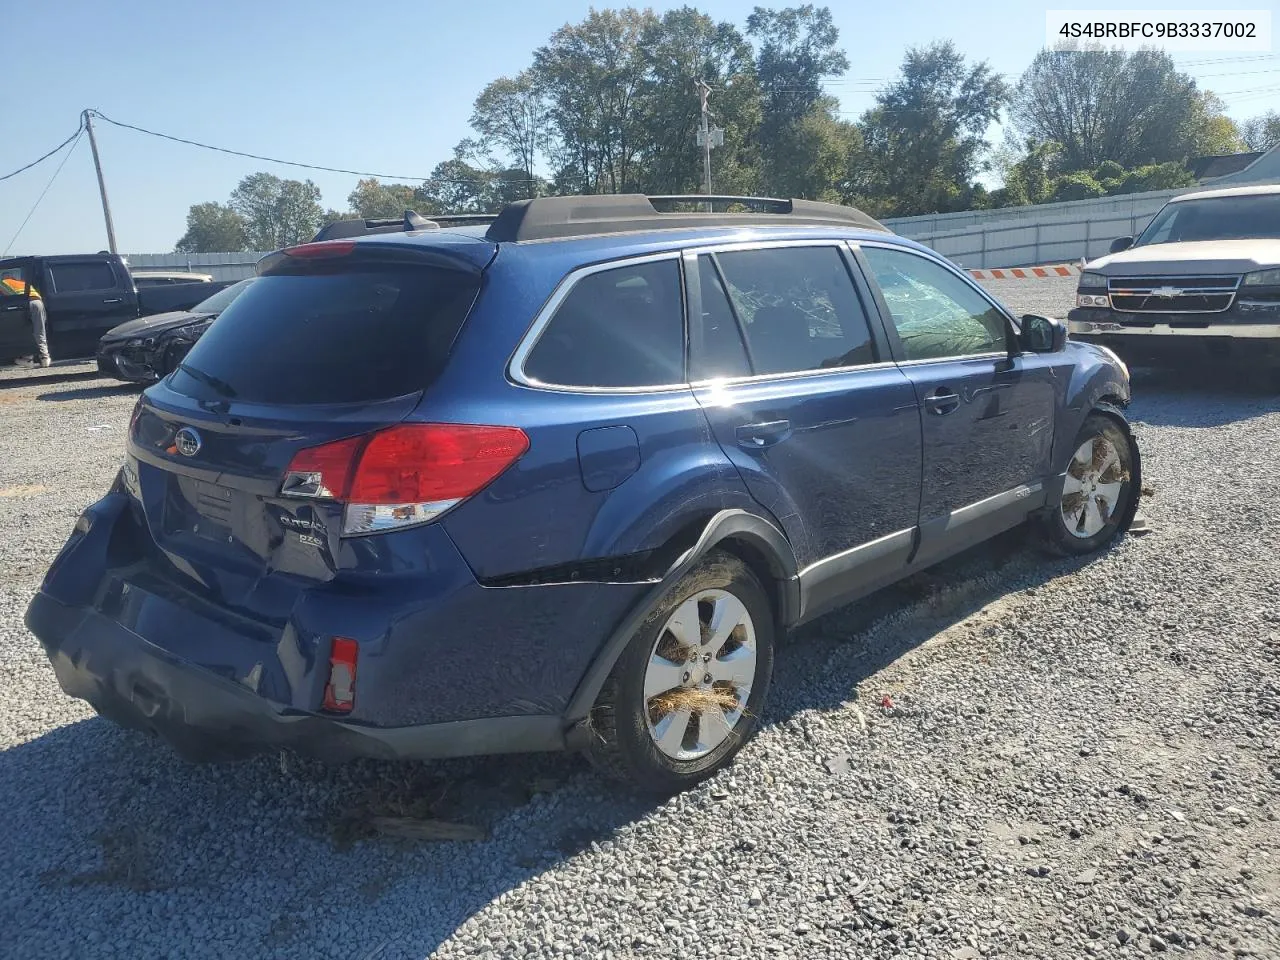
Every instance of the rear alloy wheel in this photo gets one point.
(687, 691)
(1098, 490)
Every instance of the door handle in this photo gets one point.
(942, 401)
(16, 306)
(756, 436)
(116, 300)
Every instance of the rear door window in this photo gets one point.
(798, 307)
(79, 276)
(620, 327)
(339, 336)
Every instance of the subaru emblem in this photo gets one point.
(187, 441)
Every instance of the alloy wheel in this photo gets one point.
(1095, 481)
(699, 675)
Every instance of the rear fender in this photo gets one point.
(731, 527)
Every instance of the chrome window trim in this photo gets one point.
(992, 355)
(515, 366)
(794, 375)
(959, 275)
(736, 246)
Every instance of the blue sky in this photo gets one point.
(382, 86)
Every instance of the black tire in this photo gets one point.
(620, 744)
(1054, 531)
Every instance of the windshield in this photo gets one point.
(222, 299)
(1215, 218)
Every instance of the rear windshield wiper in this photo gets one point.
(220, 386)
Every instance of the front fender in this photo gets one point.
(1097, 376)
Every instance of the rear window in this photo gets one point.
(331, 337)
(622, 327)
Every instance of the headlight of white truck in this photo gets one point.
(1263, 278)
(1091, 291)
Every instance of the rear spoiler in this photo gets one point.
(411, 222)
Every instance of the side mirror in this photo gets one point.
(1043, 334)
(1121, 243)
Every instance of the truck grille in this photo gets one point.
(1204, 294)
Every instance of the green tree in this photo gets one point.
(686, 45)
(1030, 178)
(461, 185)
(592, 73)
(213, 228)
(818, 160)
(1261, 132)
(276, 212)
(511, 114)
(1075, 186)
(1133, 108)
(1156, 176)
(1210, 132)
(926, 136)
(373, 199)
(797, 48)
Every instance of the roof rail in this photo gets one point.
(545, 218)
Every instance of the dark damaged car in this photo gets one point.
(150, 348)
(564, 481)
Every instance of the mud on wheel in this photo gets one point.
(1100, 490)
(688, 689)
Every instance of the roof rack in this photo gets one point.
(545, 218)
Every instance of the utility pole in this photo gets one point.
(704, 137)
(87, 117)
(708, 136)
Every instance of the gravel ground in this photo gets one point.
(1005, 756)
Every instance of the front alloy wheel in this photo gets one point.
(1095, 481)
(1099, 490)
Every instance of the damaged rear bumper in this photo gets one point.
(207, 717)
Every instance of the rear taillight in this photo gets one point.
(340, 691)
(404, 475)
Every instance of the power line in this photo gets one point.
(289, 163)
(47, 155)
(14, 239)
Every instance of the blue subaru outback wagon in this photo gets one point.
(562, 480)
